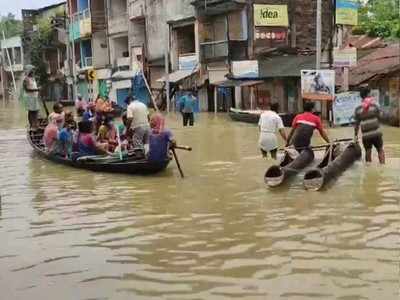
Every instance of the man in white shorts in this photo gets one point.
(270, 123)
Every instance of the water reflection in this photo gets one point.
(218, 234)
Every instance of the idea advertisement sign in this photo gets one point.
(271, 15)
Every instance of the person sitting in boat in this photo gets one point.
(80, 105)
(66, 135)
(107, 134)
(90, 112)
(51, 134)
(125, 135)
(160, 139)
(269, 125)
(58, 110)
(86, 141)
(303, 128)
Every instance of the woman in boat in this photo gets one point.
(86, 141)
(160, 139)
(51, 134)
(107, 134)
(80, 105)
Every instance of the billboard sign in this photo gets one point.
(245, 69)
(347, 12)
(318, 85)
(271, 15)
(344, 107)
(346, 57)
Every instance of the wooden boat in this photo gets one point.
(66, 102)
(278, 174)
(253, 116)
(128, 165)
(328, 169)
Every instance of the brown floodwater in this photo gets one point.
(218, 234)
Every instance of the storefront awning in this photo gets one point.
(285, 66)
(238, 83)
(177, 76)
(120, 75)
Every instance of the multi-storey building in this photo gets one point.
(89, 45)
(54, 51)
(11, 60)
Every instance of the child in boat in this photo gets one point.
(160, 139)
(86, 141)
(66, 135)
(90, 112)
(58, 110)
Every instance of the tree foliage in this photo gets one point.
(380, 18)
(10, 25)
(40, 39)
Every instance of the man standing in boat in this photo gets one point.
(138, 122)
(303, 128)
(367, 118)
(270, 123)
(31, 95)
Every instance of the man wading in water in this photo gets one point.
(303, 128)
(367, 117)
(270, 123)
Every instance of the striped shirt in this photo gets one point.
(368, 121)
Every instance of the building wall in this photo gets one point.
(118, 45)
(157, 13)
(100, 50)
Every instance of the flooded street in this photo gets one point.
(218, 234)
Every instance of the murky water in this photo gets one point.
(218, 234)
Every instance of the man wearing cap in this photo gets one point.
(31, 91)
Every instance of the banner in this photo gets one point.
(318, 85)
(347, 12)
(270, 36)
(344, 106)
(346, 57)
(245, 69)
(188, 62)
(271, 15)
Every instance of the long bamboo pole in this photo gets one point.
(11, 66)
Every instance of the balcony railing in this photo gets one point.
(81, 15)
(214, 50)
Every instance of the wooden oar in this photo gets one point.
(45, 107)
(323, 146)
(186, 148)
(177, 162)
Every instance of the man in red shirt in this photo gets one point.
(303, 128)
